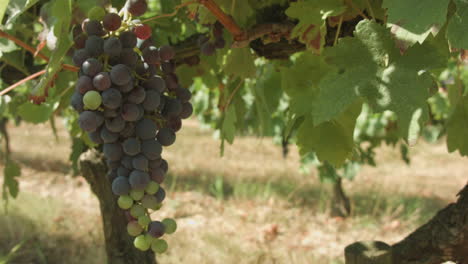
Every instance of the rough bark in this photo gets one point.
(119, 245)
(443, 238)
(340, 204)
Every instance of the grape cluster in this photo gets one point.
(207, 46)
(129, 101)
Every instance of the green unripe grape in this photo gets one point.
(125, 202)
(137, 210)
(144, 220)
(134, 229)
(141, 243)
(152, 187)
(170, 225)
(149, 238)
(92, 100)
(159, 246)
(150, 202)
(96, 13)
(158, 206)
(137, 194)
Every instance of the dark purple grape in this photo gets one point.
(129, 57)
(84, 84)
(187, 110)
(166, 136)
(91, 67)
(93, 27)
(137, 95)
(160, 194)
(128, 39)
(108, 136)
(116, 124)
(208, 48)
(168, 67)
(152, 100)
(129, 130)
(172, 82)
(111, 98)
(120, 186)
(174, 123)
(89, 121)
(131, 146)
(77, 102)
(80, 41)
(217, 29)
(146, 129)
(102, 81)
(158, 175)
(126, 87)
(112, 165)
(112, 151)
(137, 7)
(164, 165)
(130, 112)
(112, 21)
(139, 179)
(140, 162)
(202, 40)
(80, 56)
(156, 83)
(94, 46)
(152, 149)
(142, 44)
(156, 229)
(151, 55)
(183, 94)
(112, 46)
(120, 74)
(173, 108)
(112, 175)
(153, 164)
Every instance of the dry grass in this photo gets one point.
(265, 212)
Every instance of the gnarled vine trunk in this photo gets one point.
(119, 245)
(340, 204)
(443, 238)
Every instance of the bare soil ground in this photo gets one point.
(250, 206)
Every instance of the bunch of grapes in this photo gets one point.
(207, 46)
(129, 101)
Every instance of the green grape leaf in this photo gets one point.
(457, 128)
(417, 16)
(456, 29)
(300, 81)
(332, 141)
(405, 92)
(240, 10)
(78, 147)
(355, 70)
(16, 7)
(35, 113)
(3, 7)
(61, 11)
(356, 63)
(312, 15)
(240, 63)
(15, 59)
(10, 185)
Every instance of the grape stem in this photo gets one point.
(30, 77)
(231, 96)
(176, 9)
(34, 51)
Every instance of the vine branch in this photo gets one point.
(30, 77)
(261, 30)
(224, 19)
